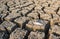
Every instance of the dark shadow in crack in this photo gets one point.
(47, 26)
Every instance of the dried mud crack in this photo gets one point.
(29, 19)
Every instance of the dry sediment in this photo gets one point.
(30, 19)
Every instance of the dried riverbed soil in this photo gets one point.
(29, 19)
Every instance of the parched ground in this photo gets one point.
(29, 19)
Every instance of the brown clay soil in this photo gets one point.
(29, 19)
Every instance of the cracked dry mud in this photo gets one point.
(29, 19)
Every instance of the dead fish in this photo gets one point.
(37, 23)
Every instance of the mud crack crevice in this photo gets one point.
(47, 30)
(27, 34)
(43, 9)
(7, 7)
